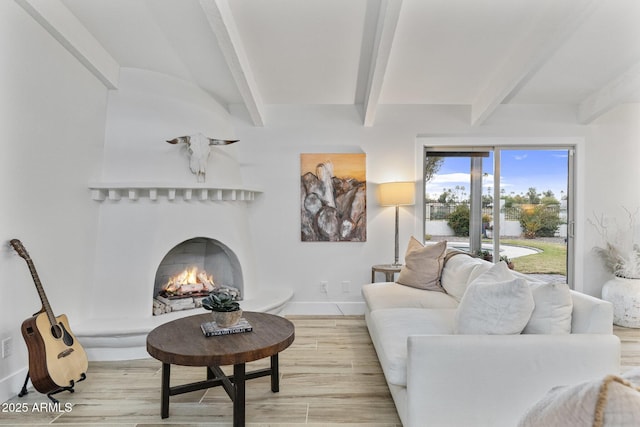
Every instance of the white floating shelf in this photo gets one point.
(173, 193)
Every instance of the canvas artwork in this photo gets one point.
(333, 197)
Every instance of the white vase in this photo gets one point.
(624, 294)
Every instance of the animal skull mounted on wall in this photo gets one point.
(199, 150)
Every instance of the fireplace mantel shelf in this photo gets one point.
(172, 192)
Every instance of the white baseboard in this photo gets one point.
(324, 308)
(10, 386)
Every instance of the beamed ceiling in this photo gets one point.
(478, 53)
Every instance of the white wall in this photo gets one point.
(272, 163)
(611, 179)
(52, 120)
(271, 157)
(150, 108)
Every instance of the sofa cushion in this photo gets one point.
(610, 401)
(495, 303)
(459, 270)
(390, 328)
(392, 295)
(423, 265)
(552, 311)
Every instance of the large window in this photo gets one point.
(510, 203)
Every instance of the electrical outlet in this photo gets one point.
(7, 347)
(324, 286)
(346, 284)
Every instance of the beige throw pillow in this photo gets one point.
(423, 265)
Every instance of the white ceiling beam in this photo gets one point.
(624, 88)
(545, 37)
(54, 17)
(385, 33)
(218, 13)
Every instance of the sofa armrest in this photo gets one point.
(591, 315)
(491, 380)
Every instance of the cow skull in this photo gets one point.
(199, 149)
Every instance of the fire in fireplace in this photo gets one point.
(193, 269)
(189, 281)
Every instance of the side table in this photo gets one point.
(389, 271)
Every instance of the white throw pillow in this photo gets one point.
(460, 269)
(552, 312)
(496, 303)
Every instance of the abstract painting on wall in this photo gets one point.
(333, 202)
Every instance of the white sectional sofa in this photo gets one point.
(441, 378)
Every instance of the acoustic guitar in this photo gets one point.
(56, 359)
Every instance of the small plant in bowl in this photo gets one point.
(485, 255)
(226, 311)
(507, 261)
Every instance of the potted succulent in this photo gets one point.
(226, 311)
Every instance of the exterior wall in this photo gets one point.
(507, 228)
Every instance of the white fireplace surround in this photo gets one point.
(134, 238)
(150, 202)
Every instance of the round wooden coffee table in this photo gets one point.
(181, 342)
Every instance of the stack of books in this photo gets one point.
(210, 329)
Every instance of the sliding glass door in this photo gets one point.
(509, 203)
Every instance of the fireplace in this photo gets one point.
(191, 270)
(142, 242)
(152, 210)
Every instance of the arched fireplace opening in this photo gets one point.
(191, 270)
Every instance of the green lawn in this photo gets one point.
(552, 259)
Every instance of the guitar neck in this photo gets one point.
(43, 296)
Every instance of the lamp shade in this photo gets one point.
(396, 193)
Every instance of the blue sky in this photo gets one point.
(520, 169)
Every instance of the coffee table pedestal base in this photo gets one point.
(234, 385)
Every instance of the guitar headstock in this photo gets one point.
(19, 248)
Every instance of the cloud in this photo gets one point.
(441, 182)
(451, 178)
(520, 157)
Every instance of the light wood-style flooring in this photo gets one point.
(330, 377)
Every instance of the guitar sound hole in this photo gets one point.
(56, 331)
(66, 336)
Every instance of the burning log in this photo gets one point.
(190, 281)
(187, 289)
